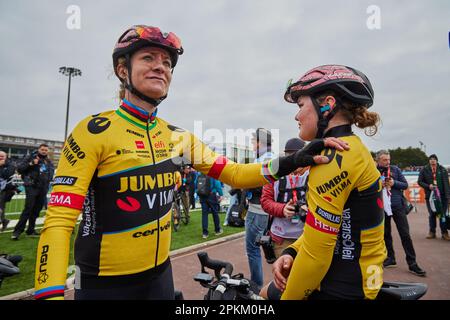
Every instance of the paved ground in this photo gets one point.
(432, 255)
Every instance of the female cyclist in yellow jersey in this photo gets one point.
(117, 169)
(341, 251)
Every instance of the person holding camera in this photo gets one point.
(285, 202)
(37, 173)
(7, 188)
(394, 183)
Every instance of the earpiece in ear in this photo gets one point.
(325, 108)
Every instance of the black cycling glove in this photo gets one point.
(301, 158)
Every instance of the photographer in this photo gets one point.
(37, 172)
(7, 188)
(285, 201)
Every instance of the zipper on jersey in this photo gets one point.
(158, 208)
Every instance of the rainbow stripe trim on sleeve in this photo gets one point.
(50, 292)
(267, 172)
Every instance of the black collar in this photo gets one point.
(339, 131)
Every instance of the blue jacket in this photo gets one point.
(400, 184)
(216, 186)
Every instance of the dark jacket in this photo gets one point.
(36, 175)
(400, 184)
(191, 181)
(6, 173)
(426, 178)
(237, 192)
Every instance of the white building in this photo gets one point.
(234, 152)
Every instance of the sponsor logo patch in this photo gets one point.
(146, 182)
(159, 145)
(345, 246)
(156, 134)
(336, 185)
(128, 205)
(123, 151)
(98, 125)
(135, 133)
(43, 276)
(333, 218)
(151, 231)
(65, 199)
(319, 225)
(140, 144)
(64, 181)
(72, 151)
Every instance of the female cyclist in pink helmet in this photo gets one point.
(341, 252)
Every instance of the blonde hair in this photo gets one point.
(356, 114)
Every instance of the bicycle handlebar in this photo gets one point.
(215, 265)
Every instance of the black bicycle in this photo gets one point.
(224, 286)
(179, 212)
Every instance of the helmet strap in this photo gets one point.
(129, 86)
(323, 121)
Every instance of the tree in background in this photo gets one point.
(409, 157)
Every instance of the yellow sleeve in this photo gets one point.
(79, 160)
(236, 175)
(314, 249)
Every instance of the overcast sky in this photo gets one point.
(239, 55)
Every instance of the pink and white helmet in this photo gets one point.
(139, 36)
(346, 81)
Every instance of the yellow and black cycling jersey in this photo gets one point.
(342, 249)
(118, 169)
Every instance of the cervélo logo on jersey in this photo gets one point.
(66, 199)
